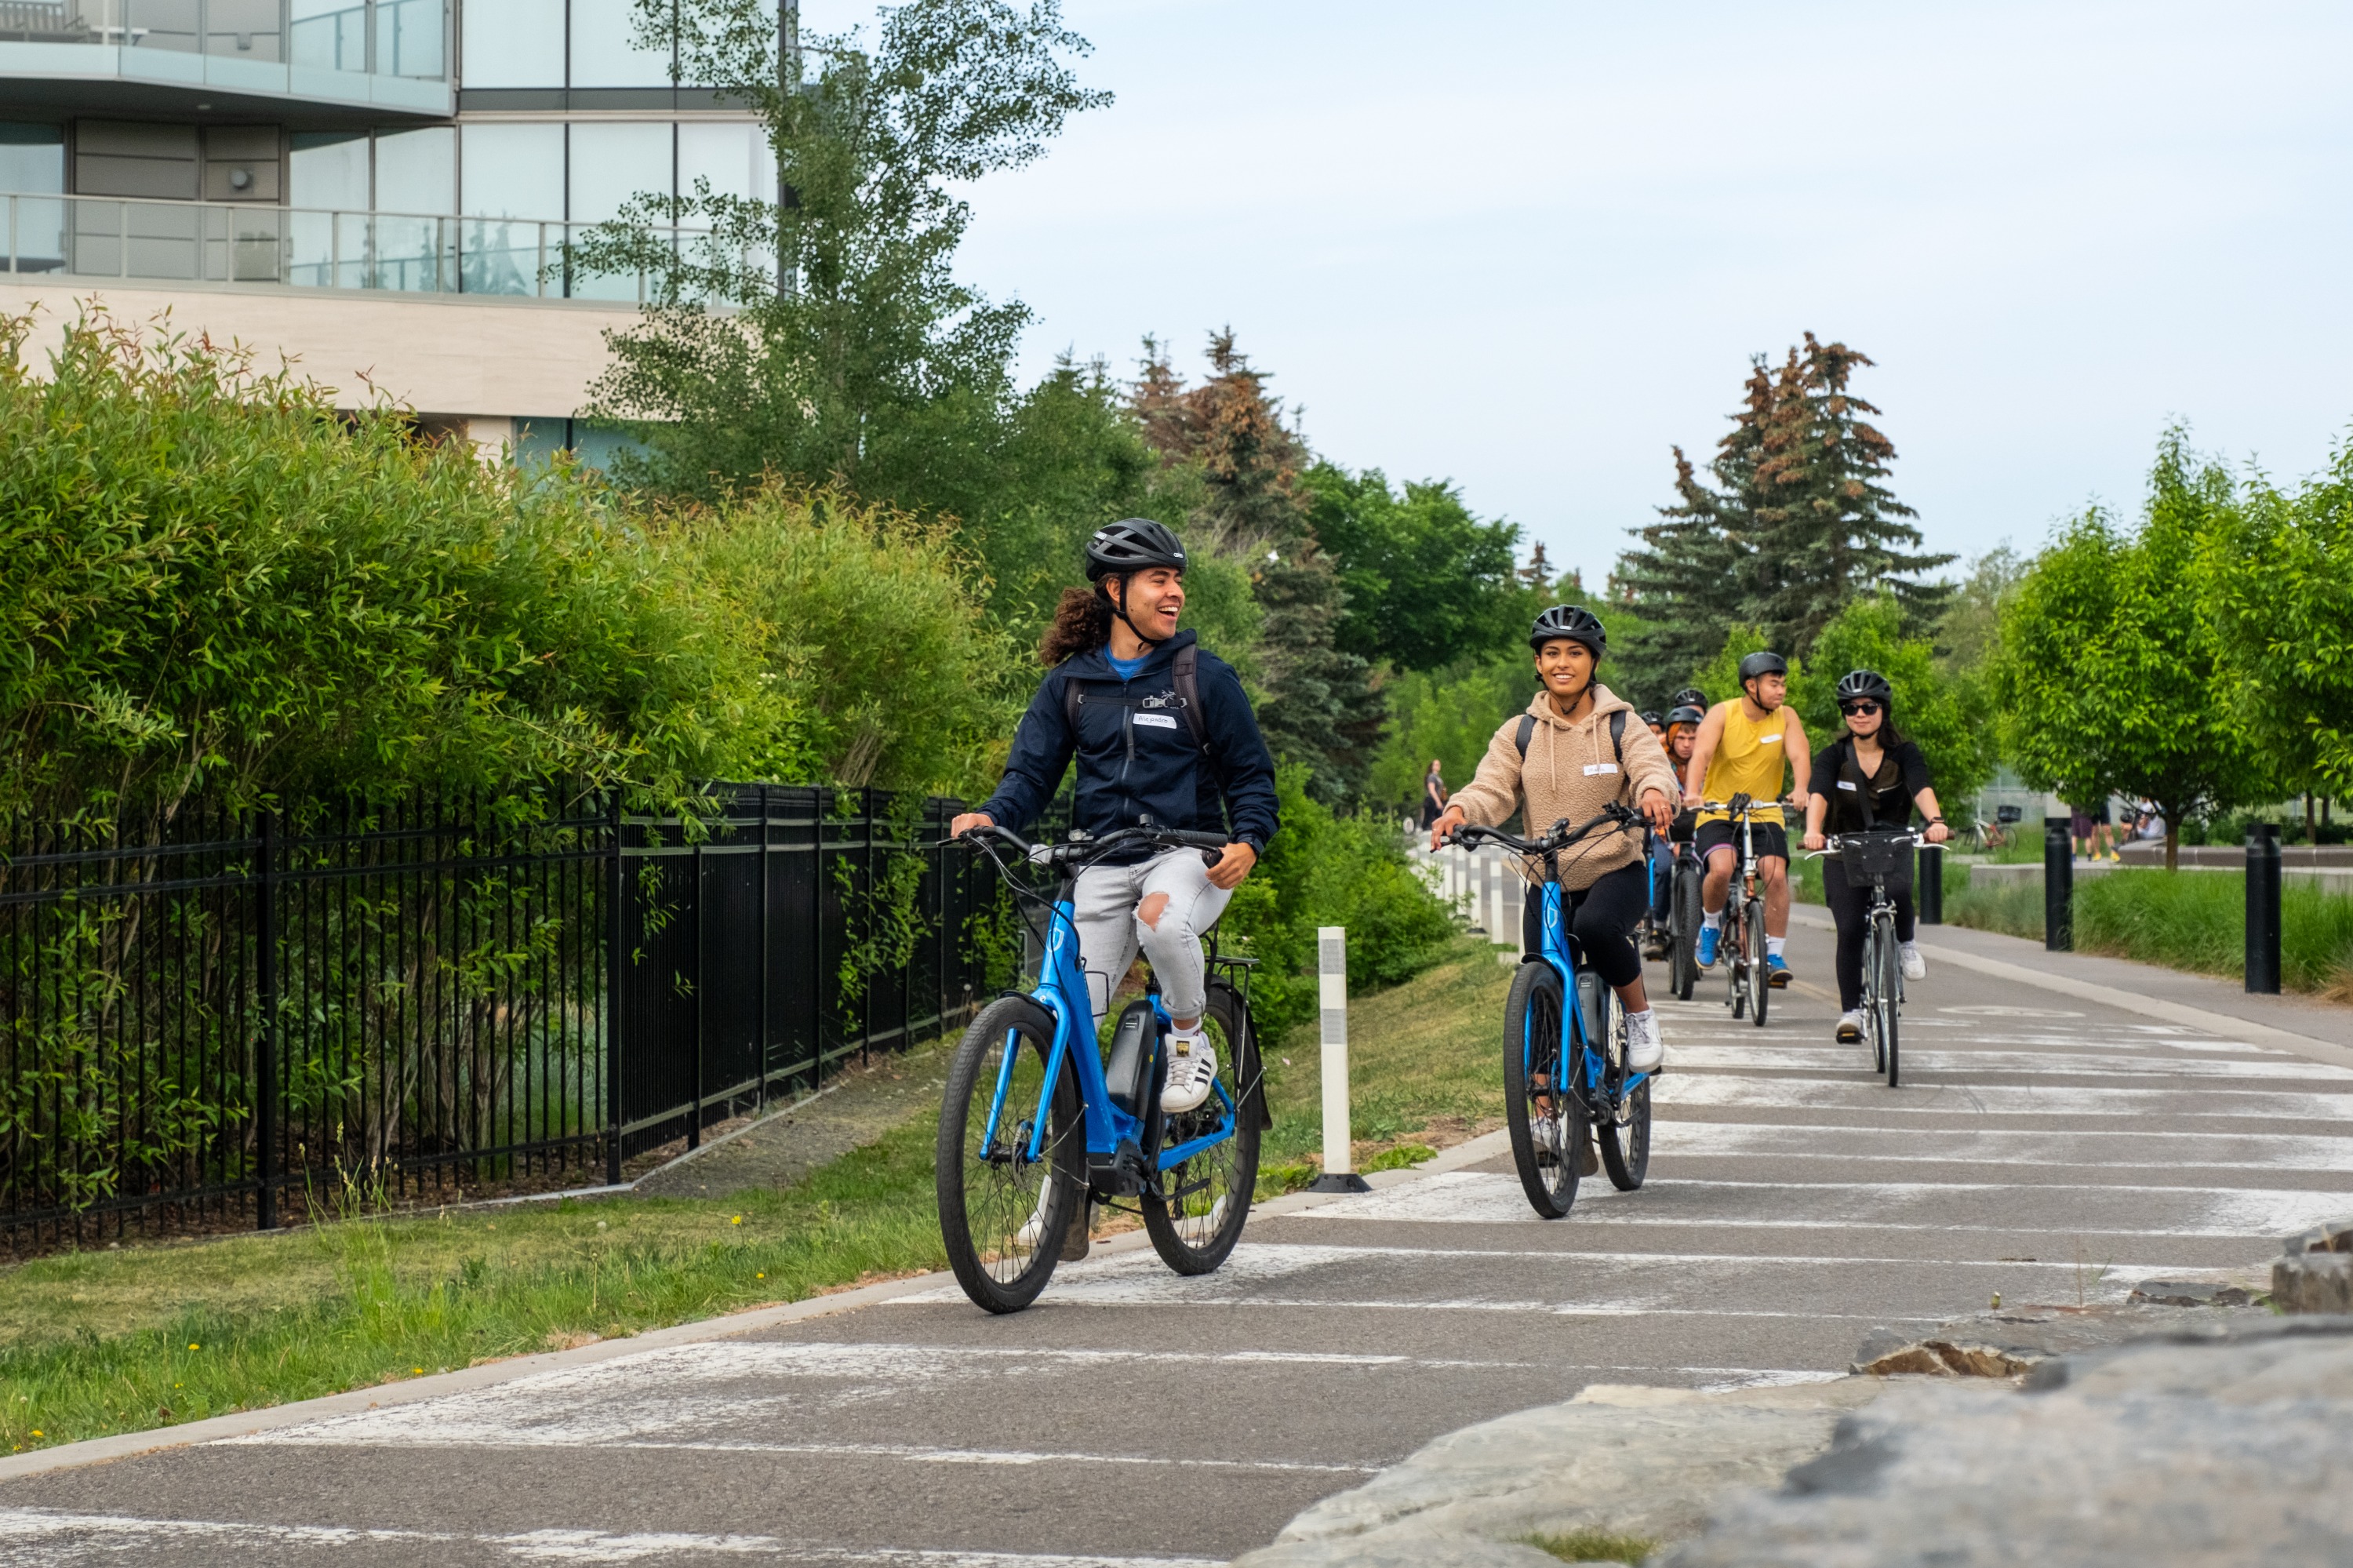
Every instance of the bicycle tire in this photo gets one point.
(988, 1193)
(1871, 999)
(1727, 953)
(1531, 1019)
(1208, 1221)
(1682, 949)
(1890, 980)
(1760, 985)
(1625, 1147)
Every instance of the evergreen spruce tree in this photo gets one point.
(1321, 707)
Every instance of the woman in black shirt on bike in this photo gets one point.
(1869, 778)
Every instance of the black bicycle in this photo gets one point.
(1682, 922)
(1880, 859)
(1742, 950)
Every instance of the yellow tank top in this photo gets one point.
(1747, 761)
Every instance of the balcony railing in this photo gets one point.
(304, 248)
(390, 37)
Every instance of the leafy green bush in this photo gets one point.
(217, 583)
(1450, 715)
(1327, 869)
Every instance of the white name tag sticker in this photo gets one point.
(1157, 721)
(1847, 784)
(1593, 768)
(1773, 740)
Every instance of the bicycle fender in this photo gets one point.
(1253, 1071)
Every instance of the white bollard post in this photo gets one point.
(1332, 981)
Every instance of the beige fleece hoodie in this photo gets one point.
(1571, 772)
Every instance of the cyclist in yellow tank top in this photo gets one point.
(1743, 746)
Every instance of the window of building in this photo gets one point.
(613, 161)
(736, 158)
(512, 43)
(513, 179)
(417, 171)
(604, 53)
(32, 159)
(330, 169)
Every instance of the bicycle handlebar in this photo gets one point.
(1085, 850)
(1558, 837)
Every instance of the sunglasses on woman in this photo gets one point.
(1859, 710)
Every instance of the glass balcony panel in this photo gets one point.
(581, 284)
(354, 242)
(242, 30)
(35, 237)
(409, 38)
(61, 21)
(513, 43)
(411, 254)
(310, 249)
(329, 34)
(503, 256)
(161, 25)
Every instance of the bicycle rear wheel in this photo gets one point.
(1891, 981)
(1547, 1127)
(1621, 1122)
(1682, 935)
(1002, 1213)
(1729, 955)
(1208, 1196)
(1870, 1001)
(1760, 986)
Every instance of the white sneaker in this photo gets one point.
(1028, 1237)
(1644, 1053)
(1546, 1133)
(1192, 1068)
(1914, 965)
(1850, 1027)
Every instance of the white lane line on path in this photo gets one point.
(2011, 1064)
(1965, 1094)
(1488, 1198)
(65, 1538)
(2054, 1148)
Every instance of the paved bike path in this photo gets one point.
(2044, 1147)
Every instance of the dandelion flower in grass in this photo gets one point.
(36, 1432)
(736, 1220)
(196, 1347)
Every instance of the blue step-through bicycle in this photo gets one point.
(1565, 1076)
(1036, 1126)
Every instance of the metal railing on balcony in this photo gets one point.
(305, 248)
(389, 37)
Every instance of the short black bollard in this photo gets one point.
(1930, 881)
(2263, 909)
(2058, 883)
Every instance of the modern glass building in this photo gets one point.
(402, 167)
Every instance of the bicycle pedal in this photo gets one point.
(1123, 1175)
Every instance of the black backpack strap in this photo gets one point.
(1618, 739)
(1184, 673)
(1526, 734)
(1071, 701)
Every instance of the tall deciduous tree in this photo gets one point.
(2108, 676)
(1427, 581)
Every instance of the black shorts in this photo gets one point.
(1770, 839)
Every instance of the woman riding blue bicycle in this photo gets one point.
(1578, 749)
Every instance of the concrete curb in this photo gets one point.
(2110, 996)
(128, 1445)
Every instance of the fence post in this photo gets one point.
(2058, 885)
(265, 1051)
(761, 804)
(616, 885)
(694, 886)
(1332, 978)
(2263, 909)
(1930, 885)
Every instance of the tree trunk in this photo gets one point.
(2172, 844)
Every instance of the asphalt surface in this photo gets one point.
(2042, 1147)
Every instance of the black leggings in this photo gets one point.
(1601, 917)
(1850, 907)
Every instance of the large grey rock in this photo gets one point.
(2189, 1450)
(2016, 1339)
(2316, 1275)
(1647, 1462)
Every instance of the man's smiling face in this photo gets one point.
(1155, 598)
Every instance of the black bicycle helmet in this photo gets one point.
(1865, 683)
(1131, 545)
(1684, 713)
(1689, 697)
(1573, 621)
(1762, 663)
(1650, 716)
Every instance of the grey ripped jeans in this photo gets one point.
(1113, 909)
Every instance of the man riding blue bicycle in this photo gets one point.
(1578, 749)
(1165, 738)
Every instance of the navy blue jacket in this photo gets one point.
(1138, 764)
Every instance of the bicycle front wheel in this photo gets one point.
(1547, 1127)
(1760, 985)
(1006, 1191)
(1682, 943)
(1206, 1197)
(1890, 966)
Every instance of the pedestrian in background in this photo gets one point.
(2094, 837)
(1433, 794)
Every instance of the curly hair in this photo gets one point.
(1082, 625)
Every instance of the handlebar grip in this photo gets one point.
(1202, 841)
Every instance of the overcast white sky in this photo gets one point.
(1528, 247)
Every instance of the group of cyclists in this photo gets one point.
(1163, 736)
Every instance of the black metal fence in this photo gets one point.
(227, 1020)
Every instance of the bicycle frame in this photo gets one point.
(1061, 991)
(1559, 949)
